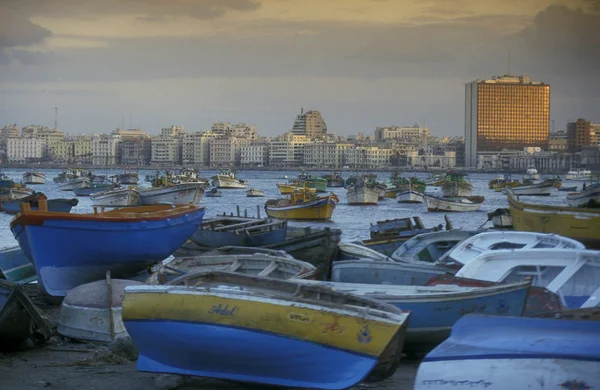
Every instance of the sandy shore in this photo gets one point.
(61, 363)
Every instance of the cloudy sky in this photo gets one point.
(362, 63)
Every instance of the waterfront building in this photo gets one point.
(166, 150)
(173, 131)
(414, 135)
(9, 131)
(82, 149)
(310, 124)
(287, 150)
(254, 155)
(368, 157)
(428, 159)
(60, 151)
(508, 112)
(24, 150)
(582, 133)
(226, 151)
(105, 150)
(239, 130)
(326, 154)
(196, 148)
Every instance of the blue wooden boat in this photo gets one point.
(60, 205)
(68, 250)
(436, 309)
(15, 266)
(400, 227)
(240, 231)
(93, 188)
(261, 330)
(498, 353)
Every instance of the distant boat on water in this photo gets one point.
(34, 177)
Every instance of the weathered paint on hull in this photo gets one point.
(15, 266)
(315, 211)
(580, 224)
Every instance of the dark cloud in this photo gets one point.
(17, 30)
(200, 9)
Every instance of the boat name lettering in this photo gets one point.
(299, 317)
(475, 308)
(457, 383)
(223, 310)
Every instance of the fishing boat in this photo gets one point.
(498, 353)
(6, 182)
(400, 227)
(15, 266)
(79, 182)
(122, 241)
(471, 247)
(70, 174)
(305, 180)
(430, 247)
(286, 189)
(60, 205)
(120, 197)
(502, 181)
(581, 224)
(387, 272)
(20, 319)
(500, 218)
(213, 193)
(568, 189)
(34, 177)
(540, 189)
(434, 310)
(579, 175)
(92, 311)
(176, 194)
(362, 195)
(573, 274)
(409, 196)
(221, 323)
(334, 179)
(302, 206)
(94, 188)
(456, 184)
(403, 185)
(129, 177)
(588, 197)
(239, 231)
(531, 174)
(257, 264)
(255, 193)
(227, 179)
(436, 204)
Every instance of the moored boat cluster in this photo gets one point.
(487, 307)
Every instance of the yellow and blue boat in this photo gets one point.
(286, 189)
(260, 330)
(302, 205)
(581, 224)
(68, 250)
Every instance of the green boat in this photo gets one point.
(15, 266)
(318, 183)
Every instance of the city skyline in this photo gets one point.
(363, 64)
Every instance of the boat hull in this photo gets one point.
(87, 191)
(116, 198)
(335, 183)
(179, 194)
(223, 181)
(363, 196)
(533, 190)
(128, 178)
(409, 196)
(436, 204)
(585, 198)
(315, 348)
(320, 209)
(15, 266)
(253, 237)
(34, 178)
(388, 273)
(580, 224)
(56, 205)
(70, 185)
(123, 247)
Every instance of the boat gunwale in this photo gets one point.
(550, 209)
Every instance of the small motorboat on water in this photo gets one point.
(213, 193)
(455, 204)
(255, 193)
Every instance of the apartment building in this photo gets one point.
(9, 131)
(82, 149)
(226, 151)
(326, 154)
(24, 150)
(239, 130)
(254, 155)
(105, 150)
(166, 150)
(368, 157)
(196, 148)
(287, 150)
(415, 135)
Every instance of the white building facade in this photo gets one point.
(287, 150)
(104, 150)
(22, 150)
(256, 155)
(196, 148)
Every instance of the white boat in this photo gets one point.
(434, 203)
(579, 174)
(18, 193)
(34, 178)
(409, 196)
(254, 193)
(540, 189)
(80, 182)
(501, 353)
(128, 178)
(589, 197)
(363, 195)
(532, 174)
(430, 247)
(227, 179)
(121, 197)
(178, 194)
(573, 274)
(470, 248)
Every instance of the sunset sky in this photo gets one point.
(362, 63)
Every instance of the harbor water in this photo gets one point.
(354, 221)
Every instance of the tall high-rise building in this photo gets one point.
(310, 124)
(582, 133)
(508, 112)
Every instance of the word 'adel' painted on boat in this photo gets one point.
(223, 310)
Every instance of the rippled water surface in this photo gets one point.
(353, 220)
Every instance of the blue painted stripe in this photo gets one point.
(511, 356)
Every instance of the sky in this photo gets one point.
(362, 63)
